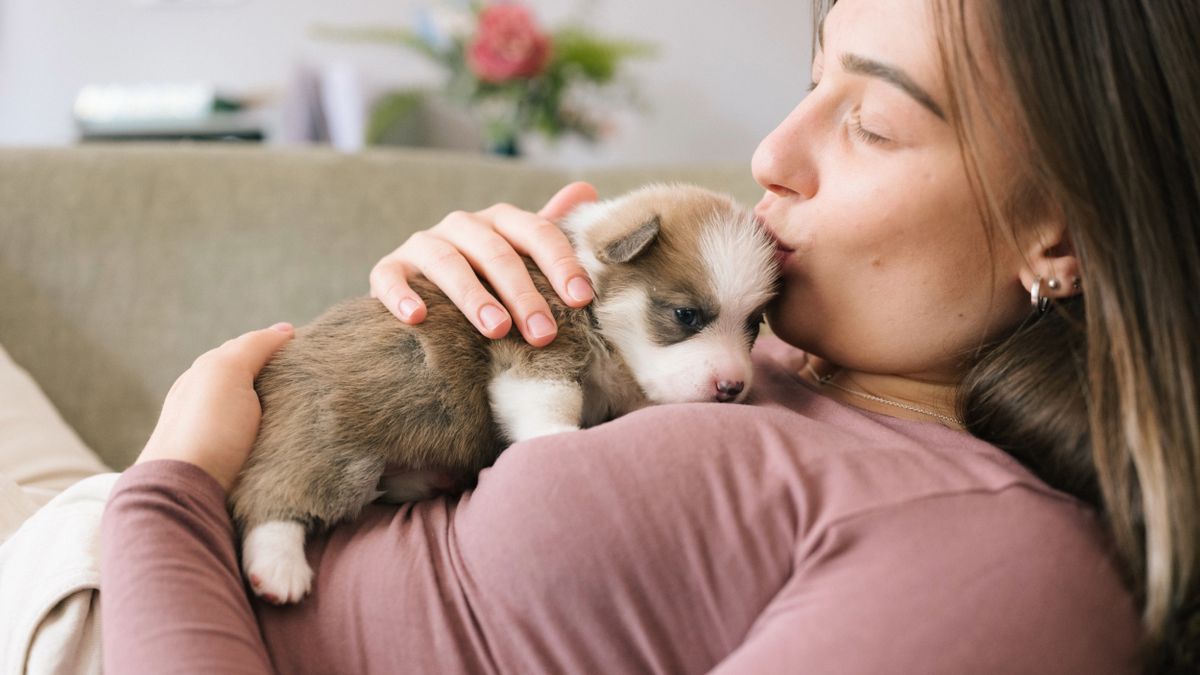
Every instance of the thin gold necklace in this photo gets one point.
(828, 380)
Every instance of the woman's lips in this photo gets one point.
(782, 250)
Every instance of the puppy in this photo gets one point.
(681, 278)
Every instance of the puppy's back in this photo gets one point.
(358, 390)
(365, 371)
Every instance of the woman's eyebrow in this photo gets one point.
(852, 63)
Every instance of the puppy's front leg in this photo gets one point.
(527, 407)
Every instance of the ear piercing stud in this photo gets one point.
(1042, 302)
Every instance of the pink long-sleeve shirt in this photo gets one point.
(794, 534)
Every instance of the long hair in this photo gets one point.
(1101, 395)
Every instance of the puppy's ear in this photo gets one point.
(627, 247)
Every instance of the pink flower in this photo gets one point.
(508, 45)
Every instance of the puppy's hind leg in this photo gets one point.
(274, 561)
(277, 515)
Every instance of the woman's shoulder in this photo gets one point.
(787, 424)
(875, 445)
(1002, 581)
(790, 450)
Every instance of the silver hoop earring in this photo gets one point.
(1039, 301)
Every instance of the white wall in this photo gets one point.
(726, 73)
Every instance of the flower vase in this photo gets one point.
(500, 124)
(508, 145)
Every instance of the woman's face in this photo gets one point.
(890, 270)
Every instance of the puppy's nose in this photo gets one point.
(727, 390)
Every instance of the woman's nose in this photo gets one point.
(783, 162)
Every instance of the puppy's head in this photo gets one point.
(682, 276)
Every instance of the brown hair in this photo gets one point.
(1100, 396)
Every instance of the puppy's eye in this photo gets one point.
(688, 316)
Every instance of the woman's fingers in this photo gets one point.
(537, 237)
(428, 253)
(389, 284)
(251, 351)
(566, 199)
(556, 257)
(211, 416)
(493, 256)
(245, 355)
(464, 246)
(445, 265)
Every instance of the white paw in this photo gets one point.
(274, 562)
(527, 407)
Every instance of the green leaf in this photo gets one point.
(390, 111)
(596, 58)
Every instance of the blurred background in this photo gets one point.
(653, 81)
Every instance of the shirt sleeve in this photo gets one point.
(961, 583)
(173, 598)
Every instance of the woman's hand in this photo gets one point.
(490, 243)
(211, 415)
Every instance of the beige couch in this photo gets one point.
(119, 265)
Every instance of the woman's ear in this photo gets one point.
(1049, 253)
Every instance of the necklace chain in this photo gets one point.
(828, 379)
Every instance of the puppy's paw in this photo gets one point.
(274, 562)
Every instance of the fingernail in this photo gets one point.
(282, 327)
(540, 325)
(579, 289)
(407, 307)
(491, 317)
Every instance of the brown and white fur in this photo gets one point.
(360, 405)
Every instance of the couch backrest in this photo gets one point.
(120, 264)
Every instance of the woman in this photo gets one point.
(988, 216)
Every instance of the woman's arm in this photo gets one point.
(173, 596)
(1006, 581)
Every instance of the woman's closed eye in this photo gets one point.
(867, 136)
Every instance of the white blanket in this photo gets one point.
(50, 580)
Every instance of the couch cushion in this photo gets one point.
(40, 456)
